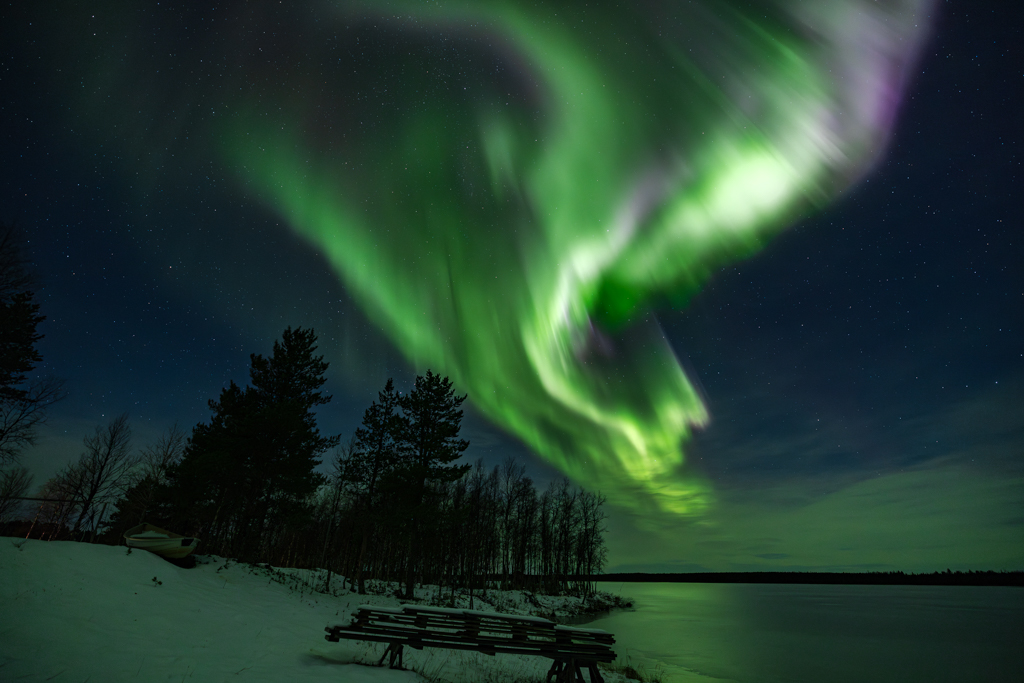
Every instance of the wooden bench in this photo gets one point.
(572, 649)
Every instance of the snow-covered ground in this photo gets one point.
(80, 612)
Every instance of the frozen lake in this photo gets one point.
(766, 633)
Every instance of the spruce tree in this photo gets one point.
(24, 399)
(251, 469)
(19, 316)
(432, 422)
(286, 389)
(378, 443)
(432, 431)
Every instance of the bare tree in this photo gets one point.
(140, 491)
(165, 452)
(512, 474)
(14, 482)
(104, 471)
(20, 415)
(59, 503)
(338, 487)
(590, 550)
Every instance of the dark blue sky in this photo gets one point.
(864, 373)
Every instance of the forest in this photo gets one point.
(395, 504)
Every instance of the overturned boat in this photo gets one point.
(160, 541)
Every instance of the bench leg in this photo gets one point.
(395, 650)
(566, 671)
(380, 662)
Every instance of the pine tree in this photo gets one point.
(286, 389)
(375, 454)
(432, 432)
(212, 474)
(19, 316)
(23, 400)
(251, 469)
(433, 420)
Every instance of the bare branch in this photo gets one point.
(14, 483)
(165, 452)
(19, 417)
(104, 472)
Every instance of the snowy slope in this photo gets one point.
(81, 612)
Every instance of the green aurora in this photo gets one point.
(512, 208)
(521, 253)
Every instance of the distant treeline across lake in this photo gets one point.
(946, 578)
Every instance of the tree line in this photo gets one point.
(24, 395)
(396, 505)
(889, 578)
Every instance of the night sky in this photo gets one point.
(838, 354)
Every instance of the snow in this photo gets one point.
(79, 612)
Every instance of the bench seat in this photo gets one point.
(491, 633)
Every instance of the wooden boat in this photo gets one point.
(160, 541)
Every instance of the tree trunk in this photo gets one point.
(410, 570)
(97, 524)
(364, 544)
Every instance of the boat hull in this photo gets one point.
(160, 541)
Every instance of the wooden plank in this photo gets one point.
(435, 615)
(550, 653)
(490, 635)
(469, 636)
(487, 632)
(549, 650)
(465, 626)
(490, 624)
(449, 611)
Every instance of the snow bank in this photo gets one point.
(76, 612)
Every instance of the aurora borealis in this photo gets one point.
(518, 253)
(525, 196)
(516, 248)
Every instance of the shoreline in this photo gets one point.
(972, 578)
(562, 609)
